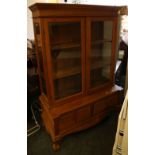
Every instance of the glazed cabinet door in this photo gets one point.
(100, 52)
(66, 57)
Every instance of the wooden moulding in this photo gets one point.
(55, 10)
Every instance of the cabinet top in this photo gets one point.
(57, 9)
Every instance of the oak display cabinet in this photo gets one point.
(76, 53)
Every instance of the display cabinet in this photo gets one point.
(76, 49)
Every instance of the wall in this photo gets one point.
(30, 33)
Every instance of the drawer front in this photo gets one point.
(105, 103)
(75, 118)
(66, 121)
(83, 113)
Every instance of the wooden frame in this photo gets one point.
(66, 20)
(88, 51)
(38, 21)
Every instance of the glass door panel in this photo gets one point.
(100, 56)
(65, 45)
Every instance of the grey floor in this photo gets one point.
(97, 140)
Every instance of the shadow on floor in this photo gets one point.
(98, 140)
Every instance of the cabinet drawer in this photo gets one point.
(66, 121)
(83, 113)
(105, 103)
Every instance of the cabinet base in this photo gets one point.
(82, 114)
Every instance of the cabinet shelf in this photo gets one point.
(100, 64)
(67, 72)
(76, 70)
(97, 42)
(65, 45)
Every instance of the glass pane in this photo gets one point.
(100, 57)
(65, 43)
